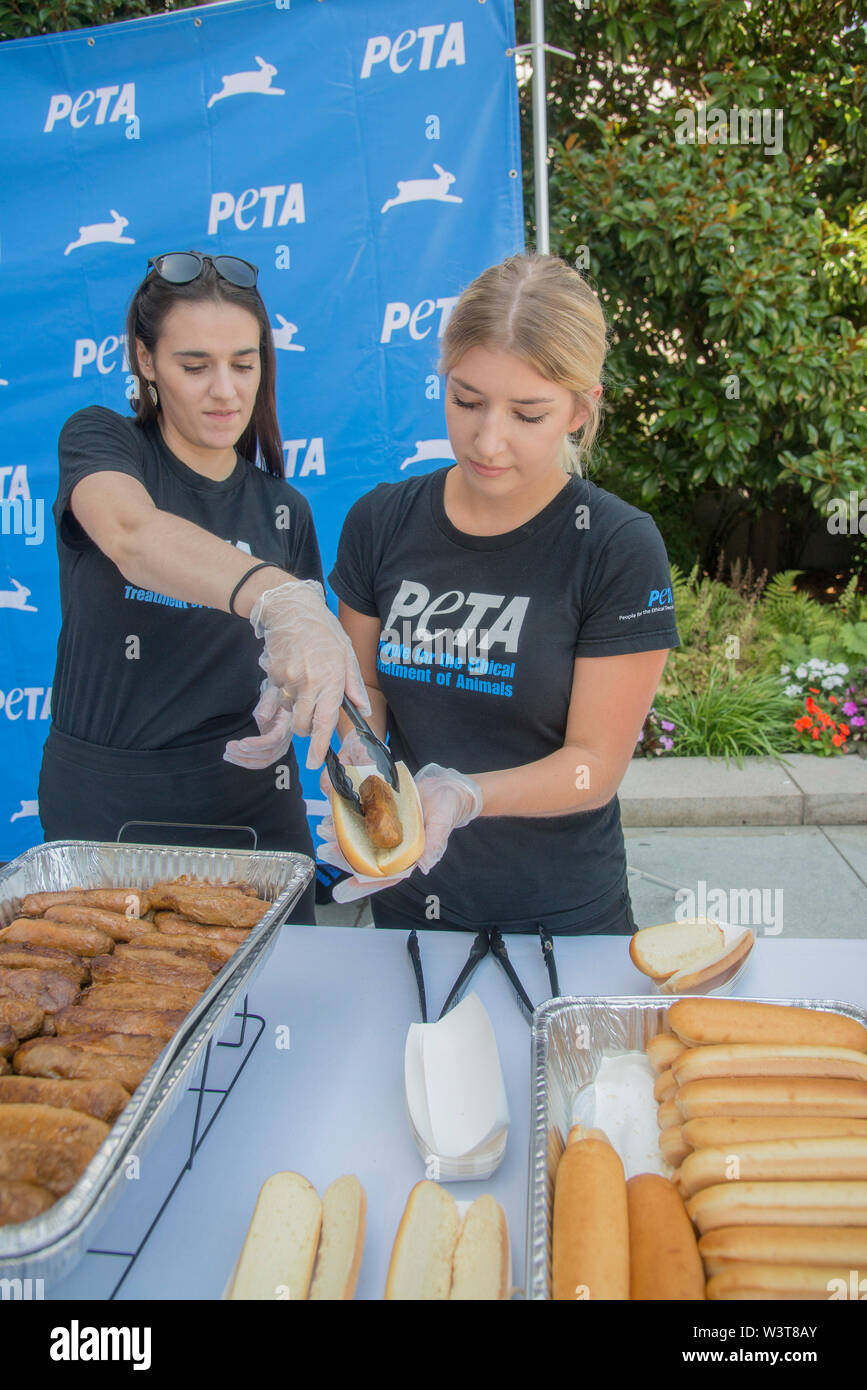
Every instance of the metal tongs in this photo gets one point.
(380, 756)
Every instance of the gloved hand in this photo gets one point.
(449, 800)
(275, 732)
(309, 658)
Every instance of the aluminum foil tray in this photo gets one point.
(49, 1245)
(570, 1037)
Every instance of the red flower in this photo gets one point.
(833, 699)
(844, 729)
(815, 733)
(814, 690)
(836, 739)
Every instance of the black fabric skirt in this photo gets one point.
(88, 792)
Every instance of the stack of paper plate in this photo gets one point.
(455, 1094)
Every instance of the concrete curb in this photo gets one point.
(800, 789)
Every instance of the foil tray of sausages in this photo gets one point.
(570, 1038)
(48, 1245)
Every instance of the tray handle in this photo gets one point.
(185, 826)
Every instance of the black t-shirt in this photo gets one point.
(196, 675)
(479, 635)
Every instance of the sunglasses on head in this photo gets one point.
(182, 267)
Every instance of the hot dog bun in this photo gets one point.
(779, 1204)
(722, 1131)
(591, 1232)
(662, 1050)
(803, 1245)
(354, 841)
(664, 1262)
(341, 1241)
(745, 1281)
(768, 1095)
(672, 946)
(423, 1250)
(776, 1160)
(761, 1059)
(277, 1259)
(673, 1146)
(713, 973)
(700, 1021)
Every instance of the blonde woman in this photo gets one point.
(511, 620)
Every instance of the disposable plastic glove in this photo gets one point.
(275, 733)
(309, 658)
(449, 800)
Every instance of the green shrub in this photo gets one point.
(730, 717)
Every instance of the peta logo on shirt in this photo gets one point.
(413, 600)
(660, 597)
(429, 44)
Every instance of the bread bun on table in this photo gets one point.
(664, 1262)
(712, 973)
(341, 1241)
(373, 856)
(590, 1228)
(280, 1249)
(482, 1261)
(672, 946)
(436, 1256)
(421, 1258)
(700, 1021)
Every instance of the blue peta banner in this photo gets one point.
(364, 155)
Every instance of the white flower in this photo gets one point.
(784, 670)
(801, 672)
(815, 662)
(841, 668)
(792, 690)
(831, 682)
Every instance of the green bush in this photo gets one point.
(730, 717)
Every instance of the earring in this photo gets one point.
(152, 392)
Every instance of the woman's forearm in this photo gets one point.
(175, 557)
(570, 780)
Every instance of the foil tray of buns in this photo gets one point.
(571, 1039)
(48, 1245)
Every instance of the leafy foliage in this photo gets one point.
(735, 278)
(20, 20)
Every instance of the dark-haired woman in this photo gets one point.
(181, 548)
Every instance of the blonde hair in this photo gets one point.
(544, 312)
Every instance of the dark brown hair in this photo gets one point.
(261, 443)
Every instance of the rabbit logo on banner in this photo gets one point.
(427, 449)
(238, 83)
(17, 598)
(424, 190)
(103, 231)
